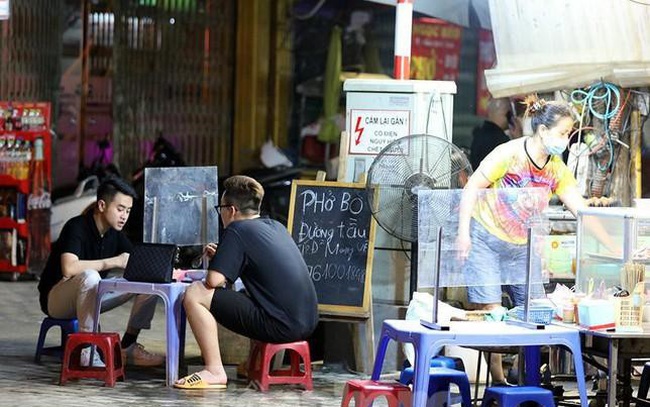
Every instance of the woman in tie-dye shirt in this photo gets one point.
(492, 231)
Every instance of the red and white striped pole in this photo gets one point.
(403, 29)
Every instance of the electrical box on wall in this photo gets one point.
(379, 111)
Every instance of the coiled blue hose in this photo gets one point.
(596, 94)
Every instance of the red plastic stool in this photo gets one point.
(365, 392)
(259, 365)
(107, 343)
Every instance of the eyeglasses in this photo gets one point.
(218, 207)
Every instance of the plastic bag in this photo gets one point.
(421, 307)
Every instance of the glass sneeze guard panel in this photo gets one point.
(179, 205)
(517, 210)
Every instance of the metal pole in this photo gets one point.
(529, 268)
(403, 29)
(436, 282)
(85, 51)
(434, 323)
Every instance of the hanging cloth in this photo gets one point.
(330, 131)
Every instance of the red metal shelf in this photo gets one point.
(11, 182)
(24, 186)
(6, 267)
(7, 223)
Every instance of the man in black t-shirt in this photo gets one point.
(88, 247)
(492, 132)
(280, 304)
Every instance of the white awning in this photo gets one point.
(453, 11)
(554, 44)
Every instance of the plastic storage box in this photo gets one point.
(536, 314)
(598, 267)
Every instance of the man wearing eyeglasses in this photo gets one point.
(280, 304)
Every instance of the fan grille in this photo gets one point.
(405, 166)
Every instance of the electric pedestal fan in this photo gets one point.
(404, 167)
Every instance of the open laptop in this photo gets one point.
(151, 263)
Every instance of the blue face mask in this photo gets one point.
(555, 146)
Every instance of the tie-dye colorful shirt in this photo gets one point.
(507, 213)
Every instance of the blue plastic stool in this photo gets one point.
(437, 361)
(514, 396)
(439, 380)
(67, 326)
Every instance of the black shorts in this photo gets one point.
(239, 313)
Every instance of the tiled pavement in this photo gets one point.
(24, 383)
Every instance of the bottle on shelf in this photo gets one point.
(21, 252)
(3, 154)
(4, 205)
(17, 119)
(6, 244)
(23, 158)
(38, 206)
(8, 121)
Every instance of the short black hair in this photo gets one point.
(243, 192)
(111, 186)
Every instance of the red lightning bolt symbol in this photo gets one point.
(358, 130)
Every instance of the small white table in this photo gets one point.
(172, 295)
(428, 343)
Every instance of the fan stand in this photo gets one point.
(429, 162)
(433, 324)
(414, 183)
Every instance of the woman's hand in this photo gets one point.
(463, 246)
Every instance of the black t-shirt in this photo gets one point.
(484, 139)
(261, 252)
(80, 236)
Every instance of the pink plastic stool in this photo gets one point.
(259, 365)
(365, 392)
(108, 343)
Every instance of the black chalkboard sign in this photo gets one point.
(333, 227)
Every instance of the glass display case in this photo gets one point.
(600, 266)
(559, 253)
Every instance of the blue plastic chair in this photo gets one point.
(514, 396)
(67, 327)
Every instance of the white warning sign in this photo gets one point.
(372, 130)
(5, 10)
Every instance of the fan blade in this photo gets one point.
(405, 167)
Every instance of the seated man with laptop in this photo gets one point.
(89, 246)
(279, 304)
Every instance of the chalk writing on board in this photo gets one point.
(179, 205)
(331, 226)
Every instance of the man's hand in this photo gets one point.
(122, 260)
(209, 250)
